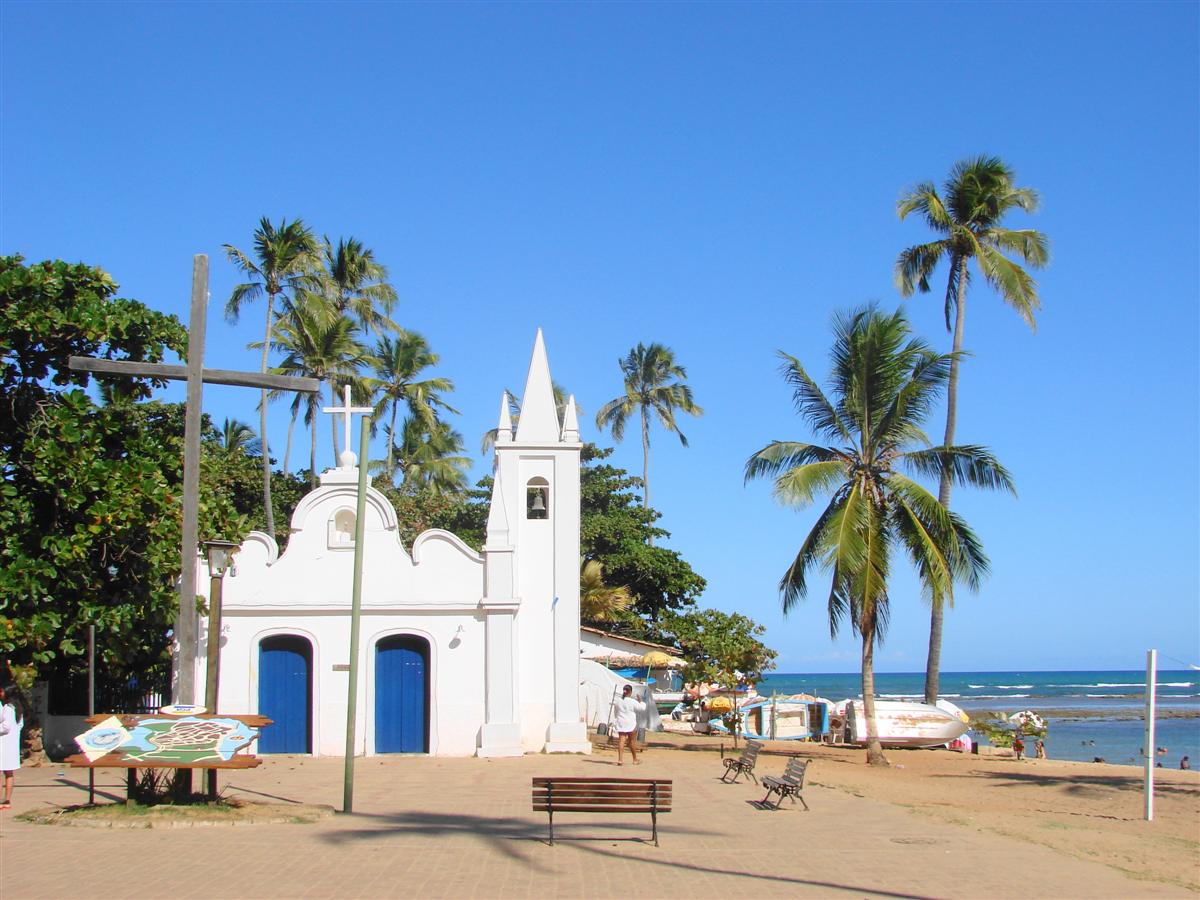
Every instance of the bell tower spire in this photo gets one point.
(539, 418)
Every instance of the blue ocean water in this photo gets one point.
(1096, 713)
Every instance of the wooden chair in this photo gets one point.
(789, 784)
(602, 795)
(743, 765)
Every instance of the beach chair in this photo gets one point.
(743, 765)
(789, 784)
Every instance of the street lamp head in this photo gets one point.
(220, 556)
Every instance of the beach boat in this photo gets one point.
(903, 724)
(797, 717)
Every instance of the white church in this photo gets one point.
(460, 653)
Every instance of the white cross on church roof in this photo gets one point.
(348, 459)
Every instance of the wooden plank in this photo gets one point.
(631, 810)
(166, 372)
(118, 761)
(660, 781)
(132, 719)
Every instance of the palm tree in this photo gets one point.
(884, 383)
(430, 456)
(284, 258)
(355, 284)
(649, 387)
(599, 602)
(977, 195)
(398, 363)
(514, 410)
(317, 346)
(237, 436)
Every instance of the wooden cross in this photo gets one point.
(195, 375)
(347, 411)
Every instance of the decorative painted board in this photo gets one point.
(202, 741)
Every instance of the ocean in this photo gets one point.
(1091, 713)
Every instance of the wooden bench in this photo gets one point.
(743, 765)
(602, 795)
(789, 784)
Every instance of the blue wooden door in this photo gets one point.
(402, 695)
(285, 694)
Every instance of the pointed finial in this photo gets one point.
(570, 429)
(539, 418)
(504, 433)
(497, 521)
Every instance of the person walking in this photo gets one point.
(11, 722)
(625, 721)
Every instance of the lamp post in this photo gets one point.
(220, 557)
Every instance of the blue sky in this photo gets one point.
(718, 178)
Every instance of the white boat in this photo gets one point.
(903, 724)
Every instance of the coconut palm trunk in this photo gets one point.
(262, 428)
(646, 465)
(312, 450)
(875, 755)
(937, 612)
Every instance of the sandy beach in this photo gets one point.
(936, 824)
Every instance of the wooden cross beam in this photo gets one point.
(196, 375)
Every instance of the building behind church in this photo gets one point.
(461, 652)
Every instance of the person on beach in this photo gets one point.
(11, 722)
(1185, 763)
(625, 721)
(1019, 746)
(1039, 748)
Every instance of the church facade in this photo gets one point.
(460, 653)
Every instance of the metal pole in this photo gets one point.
(1150, 748)
(186, 686)
(355, 610)
(91, 704)
(212, 681)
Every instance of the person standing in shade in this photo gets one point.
(11, 722)
(1039, 747)
(625, 720)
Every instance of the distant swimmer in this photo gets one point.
(1162, 751)
(1098, 759)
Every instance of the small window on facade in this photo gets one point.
(341, 529)
(537, 500)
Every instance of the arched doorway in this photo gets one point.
(285, 693)
(402, 694)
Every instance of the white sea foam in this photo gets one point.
(976, 686)
(1014, 687)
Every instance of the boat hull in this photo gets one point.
(903, 724)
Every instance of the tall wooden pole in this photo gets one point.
(355, 611)
(212, 681)
(1149, 750)
(186, 687)
(91, 704)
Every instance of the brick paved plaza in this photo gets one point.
(428, 827)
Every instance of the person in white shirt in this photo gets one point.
(11, 721)
(625, 720)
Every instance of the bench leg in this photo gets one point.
(801, 796)
(551, 829)
(654, 826)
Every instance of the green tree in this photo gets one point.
(316, 345)
(285, 258)
(653, 384)
(601, 603)
(354, 283)
(884, 382)
(616, 530)
(398, 364)
(90, 496)
(431, 457)
(979, 193)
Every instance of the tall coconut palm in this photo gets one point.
(356, 284)
(430, 456)
(884, 383)
(284, 259)
(237, 436)
(398, 363)
(976, 197)
(650, 386)
(317, 346)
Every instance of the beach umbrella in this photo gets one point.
(720, 704)
(656, 658)
(1027, 718)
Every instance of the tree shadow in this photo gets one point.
(1077, 784)
(508, 836)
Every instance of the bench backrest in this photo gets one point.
(750, 754)
(795, 770)
(602, 795)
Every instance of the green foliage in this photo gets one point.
(418, 509)
(720, 648)
(615, 529)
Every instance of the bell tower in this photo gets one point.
(531, 556)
